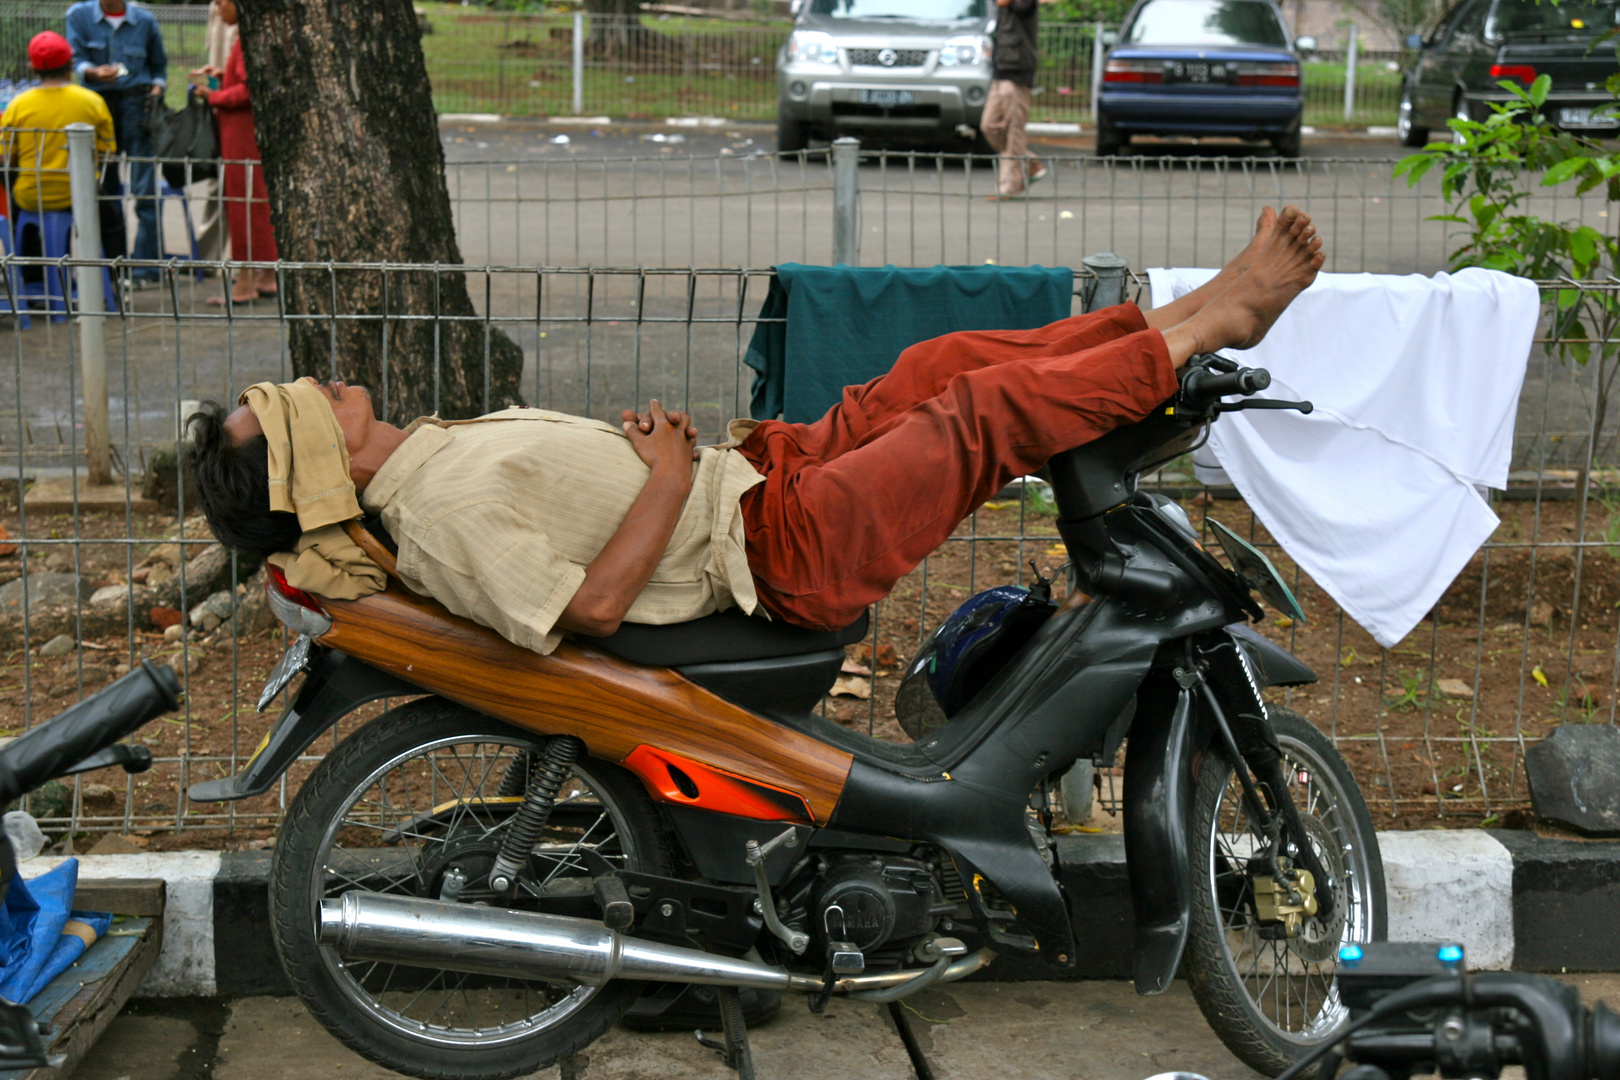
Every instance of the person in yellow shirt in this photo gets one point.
(36, 159)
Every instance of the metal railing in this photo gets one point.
(753, 208)
(1436, 727)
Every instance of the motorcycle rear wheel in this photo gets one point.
(412, 794)
(1273, 1001)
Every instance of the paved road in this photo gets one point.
(613, 196)
(1031, 1031)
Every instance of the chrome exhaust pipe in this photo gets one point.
(415, 932)
(518, 944)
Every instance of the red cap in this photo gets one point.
(49, 51)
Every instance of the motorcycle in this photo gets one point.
(481, 880)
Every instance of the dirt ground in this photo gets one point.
(1434, 728)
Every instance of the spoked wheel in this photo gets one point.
(1273, 999)
(416, 803)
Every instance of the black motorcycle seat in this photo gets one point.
(725, 635)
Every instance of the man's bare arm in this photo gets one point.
(626, 563)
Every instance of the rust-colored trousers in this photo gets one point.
(854, 501)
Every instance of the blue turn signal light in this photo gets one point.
(1450, 955)
(1350, 955)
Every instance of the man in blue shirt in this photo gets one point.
(118, 52)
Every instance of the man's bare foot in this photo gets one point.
(1185, 307)
(1239, 318)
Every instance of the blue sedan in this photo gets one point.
(1203, 67)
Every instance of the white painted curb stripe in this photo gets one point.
(185, 968)
(1451, 885)
(1052, 129)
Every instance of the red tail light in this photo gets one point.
(1264, 74)
(1133, 71)
(1522, 72)
(278, 581)
(296, 609)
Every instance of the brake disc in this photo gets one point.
(1318, 940)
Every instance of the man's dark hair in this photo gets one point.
(63, 72)
(233, 485)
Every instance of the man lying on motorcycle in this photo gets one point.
(534, 523)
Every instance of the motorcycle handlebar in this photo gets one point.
(1206, 385)
(99, 721)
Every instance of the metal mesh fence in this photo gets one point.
(1435, 727)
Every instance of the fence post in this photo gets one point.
(1350, 74)
(81, 139)
(1097, 52)
(579, 63)
(846, 164)
(1106, 285)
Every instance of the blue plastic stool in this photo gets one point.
(169, 191)
(55, 228)
(5, 305)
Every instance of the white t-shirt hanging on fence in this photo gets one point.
(1416, 384)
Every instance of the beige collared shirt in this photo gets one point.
(497, 519)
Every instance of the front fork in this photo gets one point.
(1285, 890)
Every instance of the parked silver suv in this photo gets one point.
(901, 69)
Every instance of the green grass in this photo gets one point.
(521, 65)
(1378, 93)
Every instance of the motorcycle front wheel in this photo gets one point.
(418, 798)
(1272, 1000)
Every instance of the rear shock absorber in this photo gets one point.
(546, 775)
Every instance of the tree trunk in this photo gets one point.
(350, 142)
(616, 29)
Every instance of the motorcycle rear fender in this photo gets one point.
(334, 686)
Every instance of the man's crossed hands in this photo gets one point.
(660, 436)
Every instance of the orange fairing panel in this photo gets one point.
(676, 779)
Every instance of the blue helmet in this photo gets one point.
(966, 652)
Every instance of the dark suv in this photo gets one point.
(1479, 43)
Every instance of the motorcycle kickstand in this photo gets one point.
(734, 1049)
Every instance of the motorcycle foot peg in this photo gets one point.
(614, 900)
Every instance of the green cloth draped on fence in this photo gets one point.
(846, 325)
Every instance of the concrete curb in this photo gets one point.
(1512, 899)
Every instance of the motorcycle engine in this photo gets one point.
(873, 900)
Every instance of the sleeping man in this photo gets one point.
(538, 524)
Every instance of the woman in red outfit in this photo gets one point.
(252, 239)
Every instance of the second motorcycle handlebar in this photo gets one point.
(94, 724)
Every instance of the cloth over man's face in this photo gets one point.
(351, 405)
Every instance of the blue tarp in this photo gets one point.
(847, 325)
(41, 934)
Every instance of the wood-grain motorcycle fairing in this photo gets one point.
(615, 707)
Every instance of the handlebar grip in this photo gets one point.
(1241, 381)
(93, 724)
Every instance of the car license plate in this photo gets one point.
(295, 660)
(1595, 116)
(887, 99)
(1196, 71)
